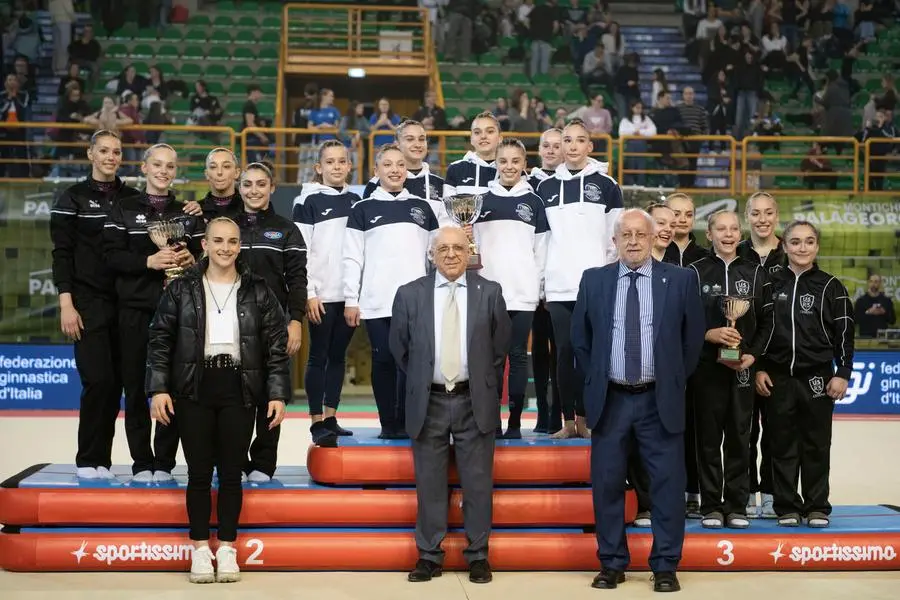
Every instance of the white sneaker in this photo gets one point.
(243, 478)
(105, 473)
(258, 477)
(143, 477)
(161, 476)
(768, 507)
(228, 571)
(752, 507)
(201, 566)
(88, 473)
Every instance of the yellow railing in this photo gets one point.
(31, 151)
(676, 158)
(323, 37)
(789, 165)
(294, 159)
(882, 166)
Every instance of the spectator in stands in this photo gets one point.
(158, 82)
(73, 76)
(614, 46)
(659, 85)
(543, 115)
(574, 15)
(774, 49)
(705, 33)
(748, 83)
(874, 310)
(355, 120)
(205, 108)
(887, 99)
(840, 22)
(755, 14)
(258, 141)
(384, 119)
(86, 51)
(594, 72)
(730, 12)
(430, 115)
(596, 119)
(522, 117)
(131, 81)
(584, 42)
(838, 117)
(324, 116)
(132, 140)
(484, 32)
(865, 20)
(501, 112)
(28, 39)
(878, 128)
(307, 150)
(799, 68)
(696, 122)
(72, 109)
(62, 16)
(766, 123)
(15, 107)
(27, 76)
(749, 41)
(108, 117)
(817, 168)
(636, 125)
(543, 25)
(789, 12)
(693, 12)
(720, 106)
(628, 85)
(561, 118)
(668, 122)
(719, 54)
(460, 24)
(523, 13)
(158, 115)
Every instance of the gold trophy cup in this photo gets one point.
(464, 209)
(734, 308)
(168, 234)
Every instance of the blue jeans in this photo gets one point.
(746, 108)
(540, 57)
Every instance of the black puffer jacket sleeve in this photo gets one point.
(162, 345)
(274, 337)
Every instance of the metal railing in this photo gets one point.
(294, 152)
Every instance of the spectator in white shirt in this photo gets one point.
(636, 125)
(774, 48)
(614, 47)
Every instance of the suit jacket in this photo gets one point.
(678, 331)
(412, 342)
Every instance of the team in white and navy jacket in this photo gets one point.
(423, 184)
(385, 246)
(321, 213)
(469, 175)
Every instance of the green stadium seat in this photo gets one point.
(267, 72)
(494, 79)
(216, 72)
(146, 35)
(125, 33)
(172, 33)
(543, 79)
(215, 88)
(474, 94)
(166, 68)
(118, 51)
(223, 21)
(196, 36)
(451, 112)
(567, 80)
(180, 106)
(271, 23)
(508, 43)
(168, 51)
(266, 108)
(243, 53)
(468, 78)
(272, 8)
(242, 72)
(247, 21)
(268, 87)
(234, 107)
(222, 37)
(518, 79)
(111, 68)
(142, 51)
(220, 53)
(193, 53)
(490, 59)
(573, 97)
(142, 67)
(190, 70)
(549, 95)
(245, 37)
(270, 37)
(199, 21)
(452, 94)
(270, 53)
(447, 77)
(236, 88)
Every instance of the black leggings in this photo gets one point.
(570, 376)
(328, 343)
(543, 366)
(518, 363)
(388, 382)
(215, 432)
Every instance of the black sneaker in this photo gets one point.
(332, 424)
(322, 436)
(512, 433)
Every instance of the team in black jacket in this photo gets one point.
(222, 171)
(806, 369)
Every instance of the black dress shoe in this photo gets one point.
(424, 571)
(512, 434)
(666, 581)
(480, 572)
(322, 436)
(608, 579)
(332, 425)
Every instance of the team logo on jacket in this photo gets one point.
(806, 303)
(418, 215)
(140, 220)
(273, 235)
(435, 193)
(742, 286)
(592, 192)
(525, 213)
(817, 385)
(775, 269)
(93, 204)
(743, 378)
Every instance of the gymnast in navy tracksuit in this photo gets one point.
(511, 234)
(582, 204)
(420, 181)
(472, 173)
(385, 246)
(321, 211)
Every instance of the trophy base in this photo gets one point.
(729, 356)
(474, 262)
(173, 273)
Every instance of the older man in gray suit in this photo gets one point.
(450, 335)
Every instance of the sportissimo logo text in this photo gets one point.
(110, 553)
(836, 553)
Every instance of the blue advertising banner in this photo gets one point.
(43, 377)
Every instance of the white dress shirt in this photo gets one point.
(441, 292)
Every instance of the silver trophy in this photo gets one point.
(168, 234)
(464, 209)
(734, 307)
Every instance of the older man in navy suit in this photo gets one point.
(637, 331)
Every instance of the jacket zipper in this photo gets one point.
(793, 324)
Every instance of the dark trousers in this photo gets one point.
(800, 417)
(569, 375)
(518, 364)
(639, 480)
(325, 367)
(724, 407)
(134, 333)
(264, 449)
(451, 415)
(761, 476)
(543, 367)
(97, 359)
(627, 418)
(690, 440)
(215, 431)
(388, 382)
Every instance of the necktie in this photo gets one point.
(450, 359)
(632, 332)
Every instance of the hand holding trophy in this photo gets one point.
(734, 307)
(464, 209)
(168, 234)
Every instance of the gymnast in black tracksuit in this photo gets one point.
(805, 369)
(723, 393)
(222, 171)
(273, 248)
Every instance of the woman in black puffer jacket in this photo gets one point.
(217, 351)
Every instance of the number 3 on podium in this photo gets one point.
(727, 548)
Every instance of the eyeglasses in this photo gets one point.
(446, 249)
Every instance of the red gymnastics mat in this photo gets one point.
(53, 495)
(534, 460)
(861, 538)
